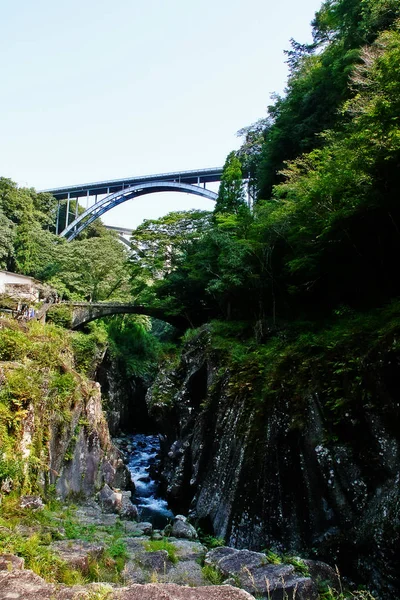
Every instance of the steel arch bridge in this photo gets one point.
(116, 192)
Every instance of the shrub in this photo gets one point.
(61, 315)
(14, 344)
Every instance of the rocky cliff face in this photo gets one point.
(82, 456)
(283, 472)
(52, 427)
(124, 398)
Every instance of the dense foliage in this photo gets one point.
(90, 268)
(325, 224)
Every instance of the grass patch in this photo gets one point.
(299, 565)
(156, 545)
(210, 541)
(212, 575)
(273, 557)
(45, 526)
(102, 592)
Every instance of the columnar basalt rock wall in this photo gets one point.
(272, 474)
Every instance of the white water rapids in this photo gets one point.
(142, 453)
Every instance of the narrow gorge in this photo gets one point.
(210, 410)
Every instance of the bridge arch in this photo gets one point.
(99, 208)
(84, 312)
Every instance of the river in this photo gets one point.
(142, 452)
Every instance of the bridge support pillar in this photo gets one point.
(58, 218)
(67, 211)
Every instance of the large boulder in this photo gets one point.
(77, 554)
(323, 574)
(115, 501)
(110, 501)
(128, 510)
(253, 573)
(156, 562)
(24, 585)
(182, 529)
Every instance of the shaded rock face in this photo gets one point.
(282, 473)
(82, 457)
(124, 398)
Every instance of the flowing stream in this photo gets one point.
(142, 454)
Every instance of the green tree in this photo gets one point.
(231, 196)
(158, 246)
(7, 235)
(36, 250)
(93, 269)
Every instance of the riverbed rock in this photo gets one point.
(323, 574)
(182, 529)
(155, 562)
(109, 500)
(188, 572)
(91, 513)
(176, 592)
(127, 509)
(10, 562)
(253, 573)
(77, 554)
(188, 550)
(138, 529)
(24, 585)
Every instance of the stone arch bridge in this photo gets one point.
(84, 312)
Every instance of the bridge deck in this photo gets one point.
(115, 185)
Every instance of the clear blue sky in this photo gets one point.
(95, 90)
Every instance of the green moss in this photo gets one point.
(272, 557)
(14, 344)
(298, 564)
(210, 541)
